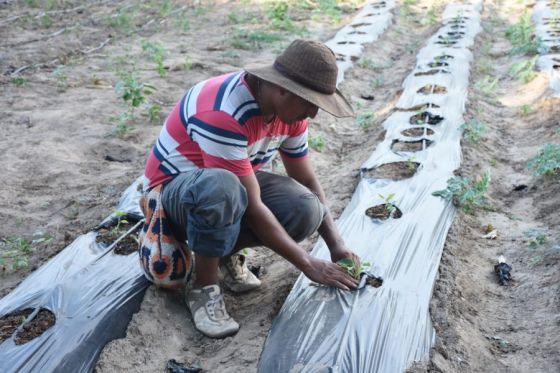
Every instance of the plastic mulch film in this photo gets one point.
(366, 27)
(385, 329)
(92, 293)
(546, 16)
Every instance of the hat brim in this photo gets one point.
(335, 104)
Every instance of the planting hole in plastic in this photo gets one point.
(419, 107)
(361, 24)
(410, 146)
(346, 42)
(446, 42)
(357, 32)
(9, 323)
(437, 64)
(42, 321)
(384, 212)
(432, 89)
(127, 245)
(417, 132)
(340, 57)
(443, 57)
(392, 171)
(449, 38)
(431, 72)
(425, 117)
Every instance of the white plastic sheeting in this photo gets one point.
(546, 16)
(385, 329)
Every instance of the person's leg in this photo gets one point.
(206, 207)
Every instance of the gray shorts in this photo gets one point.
(206, 207)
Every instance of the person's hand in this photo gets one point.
(327, 273)
(343, 252)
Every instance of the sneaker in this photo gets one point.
(209, 313)
(236, 276)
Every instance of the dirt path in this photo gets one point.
(66, 163)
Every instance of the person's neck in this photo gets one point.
(258, 90)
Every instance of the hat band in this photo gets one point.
(296, 78)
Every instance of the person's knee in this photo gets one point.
(308, 216)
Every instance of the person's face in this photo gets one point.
(292, 108)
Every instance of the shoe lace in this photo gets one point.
(216, 307)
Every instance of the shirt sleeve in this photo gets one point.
(295, 145)
(222, 141)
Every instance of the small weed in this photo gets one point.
(535, 237)
(524, 70)
(493, 163)
(14, 253)
(522, 36)
(466, 193)
(278, 15)
(410, 163)
(253, 40)
(121, 220)
(525, 110)
(406, 12)
(487, 86)
(547, 161)
(485, 66)
(157, 52)
(473, 130)
(121, 124)
(154, 113)
(365, 120)
(132, 91)
(317, 142)
(46, 21)
(165, 8)
(123, 21)
(431, 17)
(19, 81)
(377, 81)
(61, 78)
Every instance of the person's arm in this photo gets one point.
(302, 171)
(273, 235)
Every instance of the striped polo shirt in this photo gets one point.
(218, 124)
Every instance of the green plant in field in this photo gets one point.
(61, 78)
(121, 124)
(493, 163)
(525, 110)
(487, 86)
(19, 81)
(377, 81)
(317, 142)
(485, 66)
(121, 220)
(410, 163)
(522, 36)
(389, 202)
(157, 52)
(524, 70)
(132, 91)
(253, 40)
(431, 16)
(278, 15)
(535, 237)
(365, 120)
(123, 20)
(46, 21)
(547, 161)
(165, 8)
(352, 268)
(154, 113)
(14, 253)
(466, 193)
(406, 12)
(473, 130)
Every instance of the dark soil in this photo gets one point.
(410, 146)
(9, 323)
(431, 72)
(393, 171)
(44, 320)
(381, 212)
(417, 132)
(425, 117)
(126, 246)
(419, 107)
(435, 89)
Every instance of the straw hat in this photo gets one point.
(307, 69)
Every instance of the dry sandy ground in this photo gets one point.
(57, 139)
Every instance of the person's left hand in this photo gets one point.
(342, 252)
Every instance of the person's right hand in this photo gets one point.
(329, 273)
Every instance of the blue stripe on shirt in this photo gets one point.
(294, 155)
(221, 91)
(248, 115)
(215, 130)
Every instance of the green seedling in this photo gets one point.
(132, 91)
(19, 81)
(535, 237)
(46, 21)
(157, 52)
(547, 161)
(365, 120)
(522, 36)
(410, 163)
(123, 21)
(121, 215)
(473, 130)
(61, 78)
(431, 17)
(253, 40)
(377, 81)
(466, 193)
(389, 203)
(352, 268)
(154, 113)
(278, 16)
(525, 110)
(487, 86)
(524, 71)
(14, 253)
(317, 142)
(165, 8)
(121, 124)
